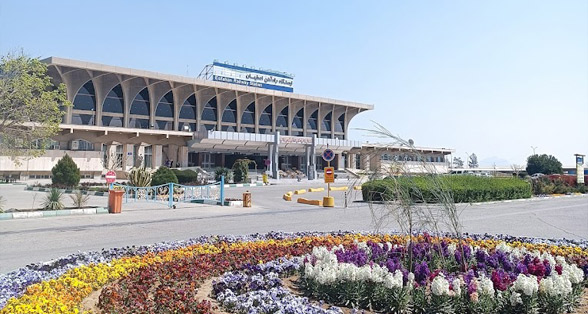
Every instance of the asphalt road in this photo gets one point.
(42, 239)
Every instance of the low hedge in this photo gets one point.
(464, 189)
(186, 176)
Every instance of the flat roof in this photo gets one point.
(406, 148)
(192, 80)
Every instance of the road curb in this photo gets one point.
(54, 213)
(538, 198)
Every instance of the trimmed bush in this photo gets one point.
(186, 176)
(221, 171)
(65, 173)
(163, 175)
(464, 189)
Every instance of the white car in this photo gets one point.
(537, 175)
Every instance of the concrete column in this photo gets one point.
(157, 159)
(312, 158)
(128, 156)
(276, 156)
(351, 161)
(270, 157)
(339, 160)
(365, 161)
(307, 160)
(376, 162)
(141, 155)
(172, 154)
(183, 156)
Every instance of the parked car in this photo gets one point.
(537, 175)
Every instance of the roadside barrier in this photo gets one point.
(310, 202)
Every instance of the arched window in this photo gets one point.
(140, 111)
(249, 114)
(85, 98)
(140, 105)
(114, 101)
(81, 145)
(340, 124)
(312, 120)
(165, 107)
(113, 108)
(84, 105)
(326, 126)
(282, 120)
(188, 110)
(297, 121)
(165, 112)
(230, 113)
(266, 116)
(209, 111)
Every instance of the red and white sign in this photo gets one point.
(329, 175)
(110, 176)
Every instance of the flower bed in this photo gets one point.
(165, 278)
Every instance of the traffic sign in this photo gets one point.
(328, 154)
(110, 176)
(329, 175)
(267, 162)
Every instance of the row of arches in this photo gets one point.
(113, 111)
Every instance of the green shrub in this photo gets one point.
(79, 199)
(140, 177)
(163, 175)
(464, 189)
(221, 171)
(53, 200)
(2, 201)
(65, 173)
(241, 170)
(186, 176)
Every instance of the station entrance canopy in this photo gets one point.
(221, 141)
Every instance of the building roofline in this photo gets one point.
(406, 148)
(192, 80)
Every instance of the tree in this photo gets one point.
(30, 103)
(545, 164)
(65, 173)
(516, 169)
(241, 169)
(457, 162)
(473, 161)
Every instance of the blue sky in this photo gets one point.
(487, 77)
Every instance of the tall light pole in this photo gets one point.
(534, 148)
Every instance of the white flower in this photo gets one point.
(456, 285)
(485, 285)
(393, 281)
(527, 284)
(440, 285)
(515, 298)
(451, 248)
(502, 246)
(555, 285)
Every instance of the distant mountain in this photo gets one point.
(491, 161)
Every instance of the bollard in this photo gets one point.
(345, 199)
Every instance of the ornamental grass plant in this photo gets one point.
(53, 200)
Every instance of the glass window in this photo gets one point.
(298, 118)
(264, 131)
(148, 156)
(140, 105)
(282, 120)
(188, 110)
(339, 124)
(325, 135)
(249, 114)
(266, 116)
(209, 112)
(114, 101)
(296, 133)
(82, 119)
(326, 126)
(247, 130)
(85, 98)
(112, 121)
(312, 120)
(164, 125)
(187, 127)
(228, 128)
(138, 123)
(229, 115)
(165, 108)
(210, 127)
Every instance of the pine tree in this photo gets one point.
(65, 173)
